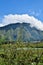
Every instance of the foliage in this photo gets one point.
(20, 53)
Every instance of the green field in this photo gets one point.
(21, 53)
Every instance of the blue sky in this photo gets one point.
(30, 11)
(31, 7)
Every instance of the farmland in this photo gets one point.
(20, 53)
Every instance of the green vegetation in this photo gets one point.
(20, 53)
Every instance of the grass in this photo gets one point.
(20, 53)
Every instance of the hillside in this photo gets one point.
(20, 32)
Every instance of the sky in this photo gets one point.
(31, 7)
(28, 8)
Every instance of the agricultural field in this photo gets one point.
(20, 53)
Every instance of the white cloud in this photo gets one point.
(7, 19)
(1, 25)
(35, 13)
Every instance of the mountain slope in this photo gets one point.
(20, 32)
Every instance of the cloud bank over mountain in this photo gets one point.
(8, 19)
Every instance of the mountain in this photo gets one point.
(20, 32)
